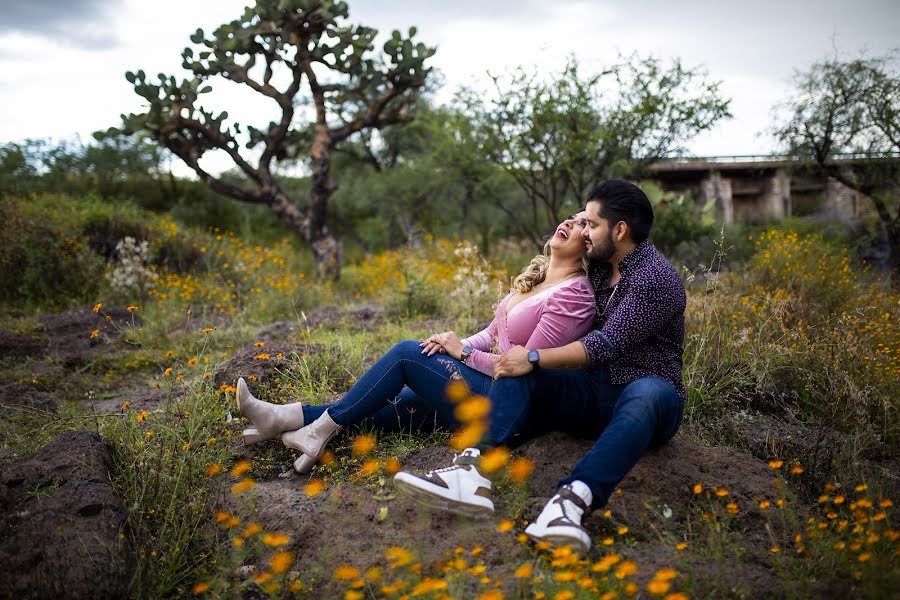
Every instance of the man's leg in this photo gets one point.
(460, 487)
(628, 419)
(647, 413)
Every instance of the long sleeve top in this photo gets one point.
(550, 318)
(639, 326)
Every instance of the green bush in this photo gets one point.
(44, 263)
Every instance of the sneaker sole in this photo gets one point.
(559, 540)
(432, 500)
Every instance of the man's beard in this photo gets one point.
(603, 252)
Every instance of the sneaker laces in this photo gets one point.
(452, 467)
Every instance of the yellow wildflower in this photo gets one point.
(346, 573)
(242, 486)
(241, 467)
(281, 561)
(520, 469)
(314, 487)
(200, 587)
(494, 459)
(273, 540)
(363, 444)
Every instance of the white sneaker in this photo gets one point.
(459, 488)
(560, 521)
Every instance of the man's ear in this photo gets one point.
(621, 231)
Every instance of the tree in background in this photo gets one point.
(428, 176)
(111, 167)
(558, 137)
(851, 107)
(308, 45)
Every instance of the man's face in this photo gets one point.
(598, 235)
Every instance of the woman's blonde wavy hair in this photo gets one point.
(536, 271)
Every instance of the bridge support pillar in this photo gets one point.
(718, 187)
(776, 198)
(841, 202)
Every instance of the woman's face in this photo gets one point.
(567, 238)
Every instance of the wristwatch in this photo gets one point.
(535, 359)
(465, 354)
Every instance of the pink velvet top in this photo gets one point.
(550, 318)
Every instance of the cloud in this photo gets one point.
(81, 23)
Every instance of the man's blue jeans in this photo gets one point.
(625, 420)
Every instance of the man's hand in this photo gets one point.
(446, 343)
(513, 363)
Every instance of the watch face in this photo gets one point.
(533, 356)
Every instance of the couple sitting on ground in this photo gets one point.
(589, 341)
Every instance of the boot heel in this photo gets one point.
(253, 436)
(304, 464)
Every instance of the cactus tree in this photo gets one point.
(327, 81)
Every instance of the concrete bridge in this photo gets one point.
(763, 188)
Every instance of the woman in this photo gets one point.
(551, 304)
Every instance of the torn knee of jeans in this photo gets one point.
(451, 367)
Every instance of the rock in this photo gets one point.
(362, 318)
(279, 330)
(70, 332)
(18, 345)
(61, 520)
(245, 362)
(21, 395)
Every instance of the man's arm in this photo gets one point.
(514, 362)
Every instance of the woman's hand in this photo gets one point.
(446, 343)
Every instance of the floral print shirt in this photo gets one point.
(639, 325)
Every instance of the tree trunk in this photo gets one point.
(326, 248)
(893, 235)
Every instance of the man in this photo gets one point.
(621, 383)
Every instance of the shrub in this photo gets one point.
(43, 263)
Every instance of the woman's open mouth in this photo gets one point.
(562, 233)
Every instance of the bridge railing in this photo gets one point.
(750, 158)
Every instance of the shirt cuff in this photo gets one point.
(599, 348)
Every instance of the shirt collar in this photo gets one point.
(601, 270)
(635, 257)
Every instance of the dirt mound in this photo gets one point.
(21, 395)
(662, 478)
(342, 526)
(60, 520)
(363, 318)
(70, 332)
(260, 362)
(148, 399)
(17, 345)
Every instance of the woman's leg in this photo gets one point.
(404, 365)
(407, 413)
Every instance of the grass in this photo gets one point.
(801, 335)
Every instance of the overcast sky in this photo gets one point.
(62, 62)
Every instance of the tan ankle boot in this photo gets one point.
(311, 439)
(270, 419)
(304, 464)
